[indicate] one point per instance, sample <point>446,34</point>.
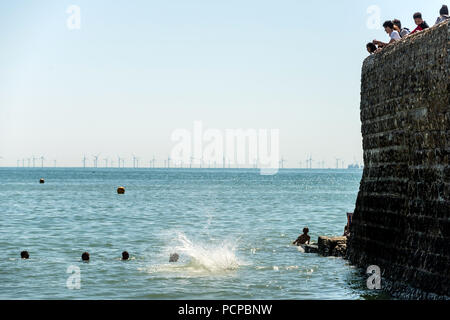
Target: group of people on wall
<point>396,32</point>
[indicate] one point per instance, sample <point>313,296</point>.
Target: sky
<point>136,71</point>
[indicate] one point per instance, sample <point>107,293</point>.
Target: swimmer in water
<point>24,255</point>
<point>174,257</point>
<point>303,238</point>
<point>125,255</point>
<point>85,256</point>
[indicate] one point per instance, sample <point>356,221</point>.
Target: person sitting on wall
<point>303,238</point>
<point>393,35</point>
<point>443,15</point>
<point>371,48</point>
<point>404,32</point>
<point>421,24</point>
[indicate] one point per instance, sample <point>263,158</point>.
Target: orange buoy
<point>121,190</point>
<point>41,181</point>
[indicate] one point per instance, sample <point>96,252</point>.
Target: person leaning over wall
<point>443,15</point>
<point>420,23</point>
<point>393,35</point>
<point>371,48</point>
<point>404,32</point>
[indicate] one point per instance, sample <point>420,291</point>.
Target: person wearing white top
<point>393,35</point>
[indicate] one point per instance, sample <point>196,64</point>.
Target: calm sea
<point>232,229</point>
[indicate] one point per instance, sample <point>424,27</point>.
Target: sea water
<point>233,230</point>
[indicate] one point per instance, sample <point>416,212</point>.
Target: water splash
<point>208,257</point>
<point>197,258</point>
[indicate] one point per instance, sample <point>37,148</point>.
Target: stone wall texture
<point>402,216</point>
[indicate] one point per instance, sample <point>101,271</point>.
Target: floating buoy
<point>41,181</point>
<point>121,190</point>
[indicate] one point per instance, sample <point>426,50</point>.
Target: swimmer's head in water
<point>305,230</point>
<point>24,255</point>
<point>174,257</point>
<point>125,255</point>
<point>85,256</point>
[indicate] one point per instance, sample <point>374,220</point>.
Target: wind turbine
<point>42,161</point>
<point>34,161</point>
<point>135,162</point>
<point>282,161</point>
<point>18,163</point>
<point>153,162</point>
<point>337,162</point>
<point>120,162</point>
<point>309,161</point>
<point>29,161</point>
<point>300,164</point>
<point>168,162</point>
<point>84,161</point>
<point>106,162</point>
<point>95,160</point>
<point>54,163</point>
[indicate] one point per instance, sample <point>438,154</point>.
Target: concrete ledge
<point>310,248</point>
<point>332,246</point>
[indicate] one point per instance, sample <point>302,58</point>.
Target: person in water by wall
<point>346,232</point>
<point>303,238</point>
<point>443,15</point>
<point>421,24</point>
<point>393,35</point>
<point>404,32</point>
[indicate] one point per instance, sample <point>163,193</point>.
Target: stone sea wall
<point>402,217</point>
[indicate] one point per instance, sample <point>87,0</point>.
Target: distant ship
<point>354,166</point>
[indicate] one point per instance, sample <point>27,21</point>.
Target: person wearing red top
<point>421,24</point>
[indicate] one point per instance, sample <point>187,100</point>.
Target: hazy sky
<point>136,71</point>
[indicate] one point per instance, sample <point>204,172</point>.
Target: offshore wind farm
<point>134,161</point>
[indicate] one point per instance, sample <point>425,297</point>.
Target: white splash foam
<point>197,258</point>
<point>209,257</point>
